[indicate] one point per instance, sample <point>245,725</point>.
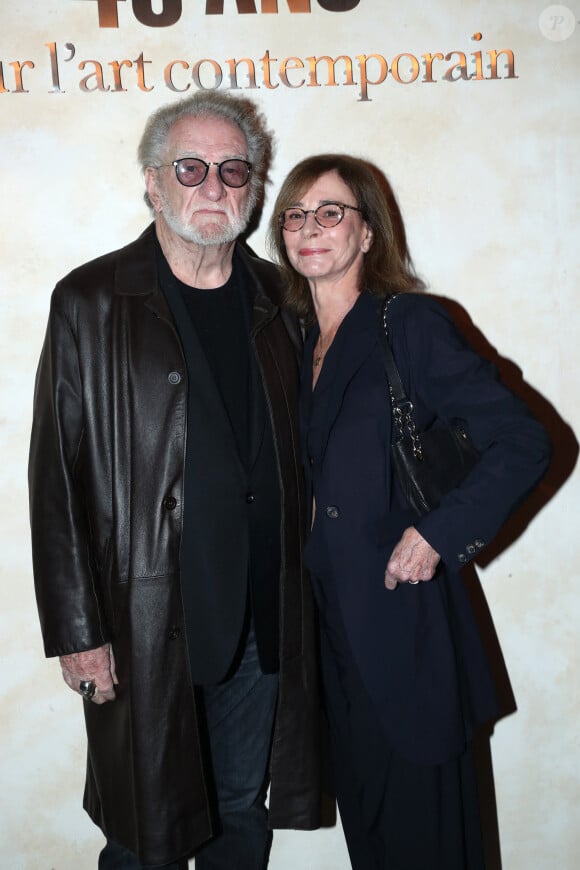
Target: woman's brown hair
<point>387,266</point>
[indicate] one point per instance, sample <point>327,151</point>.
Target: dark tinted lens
<point>234,173</point>
<point>191,171</point>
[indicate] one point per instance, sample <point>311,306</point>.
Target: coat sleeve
<point>448,379</point>
<point>64,570</point>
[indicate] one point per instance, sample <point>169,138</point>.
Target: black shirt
<point>221,325</point>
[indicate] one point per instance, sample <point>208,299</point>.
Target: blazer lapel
<point>253,313</point>
<point>352,345</point>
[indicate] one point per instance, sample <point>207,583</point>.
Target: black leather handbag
<point>430,463</point>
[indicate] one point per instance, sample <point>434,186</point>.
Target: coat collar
<point>136,275</point>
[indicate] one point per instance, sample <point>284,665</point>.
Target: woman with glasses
<point>405,674</point>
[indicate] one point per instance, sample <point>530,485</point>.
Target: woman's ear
<point>367,241</point>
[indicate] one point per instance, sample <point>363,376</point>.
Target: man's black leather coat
<point>106,478</point>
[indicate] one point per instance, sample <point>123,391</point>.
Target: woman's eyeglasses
<point>328,215</point>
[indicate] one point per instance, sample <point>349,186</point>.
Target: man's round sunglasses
<point>328,215</point>
<point>191,171</point>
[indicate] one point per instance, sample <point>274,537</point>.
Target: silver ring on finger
<point>413,582</point>
<point>87,689</point>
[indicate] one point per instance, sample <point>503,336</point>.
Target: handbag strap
<point>401,405</point>
<point>396,388</point>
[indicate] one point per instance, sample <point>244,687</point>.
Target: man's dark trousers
<point>240,720</point>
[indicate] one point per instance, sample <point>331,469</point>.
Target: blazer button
<point>174,378</point>
<point>479,543</point>
<point>174,632</point>
<point>462,558</point>
<point>470,549</point>
<point>169,503</point>
<point>250,498</point>
<point>332,512</point>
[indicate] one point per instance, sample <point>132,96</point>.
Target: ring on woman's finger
<point>413,582</point>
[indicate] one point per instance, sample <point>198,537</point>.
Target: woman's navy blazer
<point>417,648</point>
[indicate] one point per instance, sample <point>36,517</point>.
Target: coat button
<point>169,503</point>
<point>470,549</point>
<point>174,378</point>
<point>332,512</point>
<point>479,543</point>
<point>174,632</point>
<point>462,558</point>
<point>250,498</point>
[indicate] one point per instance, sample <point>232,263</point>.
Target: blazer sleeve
<point>61,552</point>
<point>448,379</point>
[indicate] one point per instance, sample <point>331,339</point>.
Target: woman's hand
<point>412,561</point>
<point>95,666</point>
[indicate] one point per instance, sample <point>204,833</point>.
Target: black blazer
<point>417,648</point>
<point>231,524</point>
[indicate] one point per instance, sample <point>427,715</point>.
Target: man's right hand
<point>93,665</point>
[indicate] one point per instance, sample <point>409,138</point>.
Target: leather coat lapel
<point>135,278</point>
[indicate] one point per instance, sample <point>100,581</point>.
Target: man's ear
<point>152,189</point>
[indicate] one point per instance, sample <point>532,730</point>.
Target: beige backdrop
<point>486,171</point>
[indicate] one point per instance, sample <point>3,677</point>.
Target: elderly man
<point>166,508</point>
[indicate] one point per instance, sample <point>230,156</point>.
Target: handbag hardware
<point>431,462</point>
<point>402,406</point>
